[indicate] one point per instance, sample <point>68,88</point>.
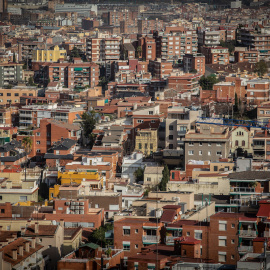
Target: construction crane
<point>234,122</point>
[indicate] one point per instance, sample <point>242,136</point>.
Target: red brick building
<point>148,46</point>
<point>160,69</point>
<point>216,55</point>
<point>194,63</point>
<point>258,91</point>
<point>245,55</point>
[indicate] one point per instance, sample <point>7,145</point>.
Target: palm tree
<point>27,144</point>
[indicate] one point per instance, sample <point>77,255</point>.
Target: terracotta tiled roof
<point>7,251</point>
<point>43,230</point>
<point>70,233</point>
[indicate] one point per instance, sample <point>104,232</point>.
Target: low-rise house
<point>72,240</point>
<point>152,176</point>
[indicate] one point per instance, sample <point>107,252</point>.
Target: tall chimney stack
<point>14,254</point>
<point>36,227</point>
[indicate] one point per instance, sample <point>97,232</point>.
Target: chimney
<point>14,254</point>
<point>1,228</point>
<point>36,227</point>
<point>23,231</point>
<point>27,246</point>
<point>21,250</point>
<point>62,223</point>
<point>33,242</point>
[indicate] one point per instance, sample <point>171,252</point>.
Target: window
<point>140,146</point>
<point>170,127</point>
<point>151,112</point>
<point>218,153</point>
<point>16,94</point>
<point>261,111</point>
<point>190,152</point>
<point>218,144</point>
<point>148,179</point>
<point>222,225</point>
<point>96,205</point>
<point>60,208</point>
<point>200,143</point>
<point>188,233</point>
<point>9,94</point>
<point>38,133</point>
<point>200,152</point>
<point>191,144</point>
<point>38,150</point>
<point>252,93</point>
<point>139,121</point>
<point>1,94</point>
<point>209,144</point>
<point>170,137</point>
<point>126,231</point>
<point>232,241</point>
<point>126,247</point>
<point>153,121</point>
<point>23,198</point>
<point>2,211</point>
<point>232,257</point>
<point>209,153</point>
<point>136,230</point>
<point>233,225</point>
<point>243,143</point>
<point>215,168</point>
<point>57,152</point>
<point>222,241</point>
<point>151,146</point>
<point>136,246</point>
<point>38,142</point>
<point>222,256</point>
<point>236,143</point>
<point>198,235</point>
<point>145,146</point>
<point>170,146</point>
<point>1,198</point>
<point>8,228</point>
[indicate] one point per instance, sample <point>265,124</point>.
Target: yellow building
<point>146,141</point>
<point>49,55</point>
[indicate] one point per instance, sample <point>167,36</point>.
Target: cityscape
<point>134,135</point>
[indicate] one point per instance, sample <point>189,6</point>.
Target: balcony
<point>245,249</point>
<point>260,157</point>
<point>258,146</point>
<point>150,239</point>
<point>247,233</point>
<point>239,190</point>
<point>170,240</point>
<point>266,234</point>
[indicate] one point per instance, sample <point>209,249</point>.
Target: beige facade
<point>207,184</point>
<point>240,138</point>
<point>72,240</point>
<point>146,141</point>
<point>184,197</point>
<point>152,176</point>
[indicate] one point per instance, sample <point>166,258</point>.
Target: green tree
<point>261,68</point>
<point>138,51</point>
<point>139,175</point>
<point>88,124</point>
<point>31,81</point>
<point>207,82</point>
<point>98,235</point>
<point>165,179</point>
<point>75,53</point>
<point>27,144</point>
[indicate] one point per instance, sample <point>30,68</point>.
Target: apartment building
<point>261,146</point>
<point>31,115</point>
<point>174,46</point>
<point>148,48</point>
<point>258,91</point>
<point>8,116</point>
<point>76,75</point>
<point>145,26</point>
<point>256,40</point>
<point>6,134</point>
<point>103,49</point>
<point>215,55</point>
<point>13,95</point>
<point>51,55</point>
<point>263,112</point>
<point>208,38</point>
<point>146,141</point>
<point>160,69</point>
<point>26,48</point>
<point>132,234</point>
<point>243,54</point>
<point>10,73</point>
<point>194,63</point>
<point>207,143</point>
<point>115,17</point>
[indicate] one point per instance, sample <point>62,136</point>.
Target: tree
<point>165,179</point>
<point>31,81</point>
<point>138,51</point>
<point>27,144</point>
<point>139,175</point>
<point>261,68</point>
<point>75,53</point>
<point>98,235</point>
<point>207,82</point>
<point>88,124</point>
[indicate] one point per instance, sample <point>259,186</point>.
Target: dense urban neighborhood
<point>134,135</point>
